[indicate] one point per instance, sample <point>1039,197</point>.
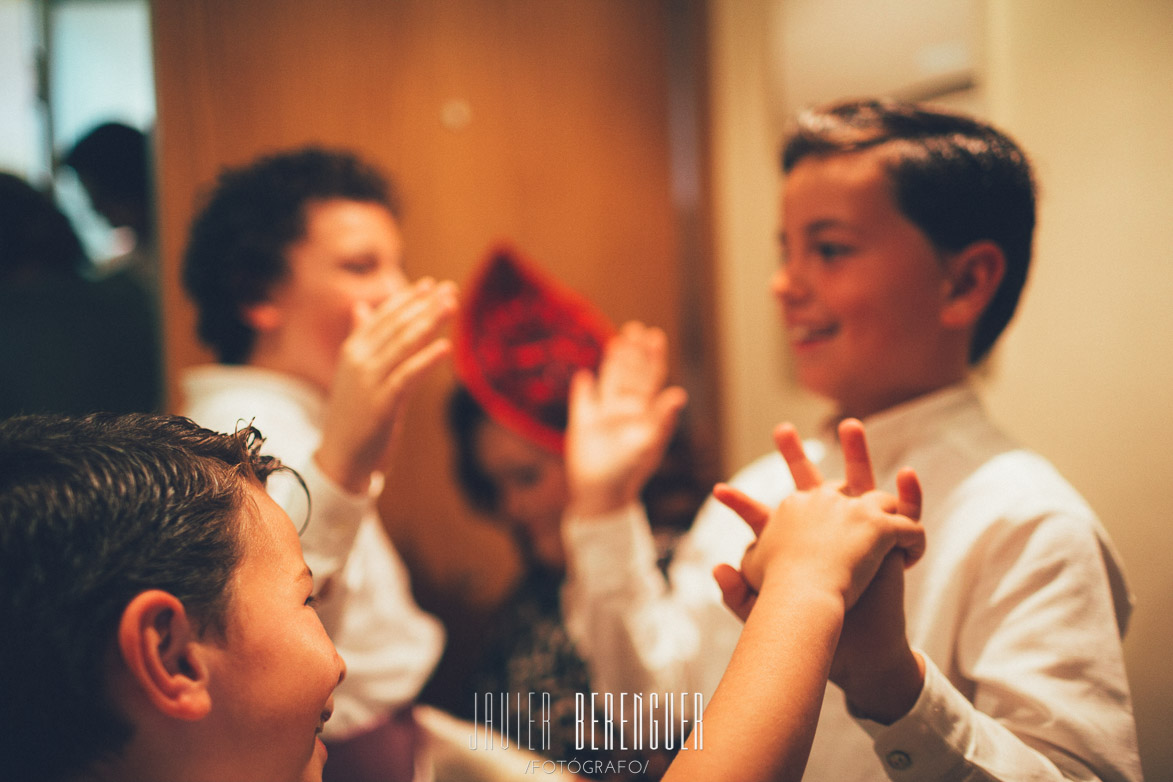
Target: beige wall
<point>1086,374</point>
<point>1083,375</point>
<point>754,376</point>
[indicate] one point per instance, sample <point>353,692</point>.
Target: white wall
<point>1084,373</point>
<point>21,135</point>
<point>102,66</point>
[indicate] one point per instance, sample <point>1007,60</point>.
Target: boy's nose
<point>788,284</point>
<point>388,284</point>
<point>515,504</point>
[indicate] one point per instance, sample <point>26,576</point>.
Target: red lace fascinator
<point>521,335</point>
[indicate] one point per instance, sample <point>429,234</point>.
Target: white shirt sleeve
<point>1040,652</point>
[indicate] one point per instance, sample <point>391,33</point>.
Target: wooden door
<point>543,122</point>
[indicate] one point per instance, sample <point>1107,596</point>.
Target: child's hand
<point>388,350</point>
<point>826,539</point>
<point>835,538</point>
<point>620,422</point>
<point>879,673</point>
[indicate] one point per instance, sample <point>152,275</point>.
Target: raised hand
<point>620,421</point>
<point>390,347</point>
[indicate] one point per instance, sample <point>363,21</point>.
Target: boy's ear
<point>974,276</point>
<point>163,655</point>
<point>263,316</point>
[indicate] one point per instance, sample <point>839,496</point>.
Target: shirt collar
<point>209,378</point>
<point>891,432</point>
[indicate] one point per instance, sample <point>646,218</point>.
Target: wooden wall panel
<point>565,151</point>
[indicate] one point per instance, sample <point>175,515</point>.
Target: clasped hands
<point>852,542</point>
<point>841,532</point>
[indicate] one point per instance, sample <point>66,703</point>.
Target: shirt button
<point>899,760</point>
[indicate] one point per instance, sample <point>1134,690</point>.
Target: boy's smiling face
<point>861,288</point>
<point>275,674</point>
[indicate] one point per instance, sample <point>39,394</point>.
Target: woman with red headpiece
<point>521,337</point>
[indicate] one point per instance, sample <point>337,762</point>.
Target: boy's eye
<point>518,478</point>
<point>527,476</point>
<point>360,265</point>
<point>831,251</point>
<point>312,601</point>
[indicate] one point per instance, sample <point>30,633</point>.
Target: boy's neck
<point>272,362</point>
<point>870,405</point>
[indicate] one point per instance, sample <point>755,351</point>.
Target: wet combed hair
<point>94,511</point>
<point>236,252</point>
<point>957,179</point>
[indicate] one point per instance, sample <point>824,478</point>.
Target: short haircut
<point>236,252</point>
<point>957,179</point>
<point>115,158</point>
<point>94,511</point>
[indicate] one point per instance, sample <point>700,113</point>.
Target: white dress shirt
<point>389,644</point>
<point>1018,607</point>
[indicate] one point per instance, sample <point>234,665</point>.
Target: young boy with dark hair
<point>157,609</point>
<point>162,624</point>
<point>295,265</point>
<point>906,238</point>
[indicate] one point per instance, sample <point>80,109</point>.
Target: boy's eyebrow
<point>824,223</point>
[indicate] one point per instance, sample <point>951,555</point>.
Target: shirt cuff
<point>928,742</point>
<point>606,552</point>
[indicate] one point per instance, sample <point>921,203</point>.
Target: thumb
<point>582,386</point>
<point>361,314</point>
<point>734,590</point>
<point>667,407</point>
<point>752,512</point>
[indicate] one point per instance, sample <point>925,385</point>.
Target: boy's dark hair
<point>236,252</point>
<point>94,511</point>
<point>957,179</point>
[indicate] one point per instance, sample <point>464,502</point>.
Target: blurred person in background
<point>113,164</point>
<point>520,338</point>
<point>69,343</point>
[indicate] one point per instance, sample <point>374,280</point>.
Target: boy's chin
<point>313,769</point>
<point>815,380</point>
